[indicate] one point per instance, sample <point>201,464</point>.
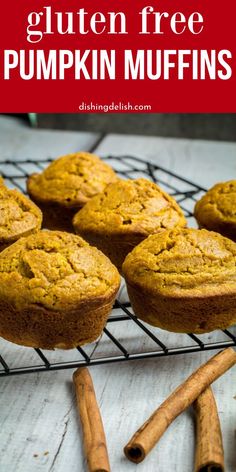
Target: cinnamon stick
<point>147,436</point>
<point>93,433</point>
<point>209,455</point>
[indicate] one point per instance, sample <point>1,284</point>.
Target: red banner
<point>143,56</point>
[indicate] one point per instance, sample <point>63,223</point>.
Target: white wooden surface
<point>39,428</point>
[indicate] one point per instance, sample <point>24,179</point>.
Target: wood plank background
<point>39,428</point>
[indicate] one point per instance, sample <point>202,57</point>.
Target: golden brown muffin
<point>123,215</point>
<point>66,185</point>
<point>183,280</point>
<point>216,210</point>
<point>18,216</point>
<point>55,291</point>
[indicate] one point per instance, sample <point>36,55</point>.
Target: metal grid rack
<point>152,342</point>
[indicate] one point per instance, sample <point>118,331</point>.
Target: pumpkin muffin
<point>183,280</point>
<point>216,210</point>
<point>123,215</point>
<point>66,185</point>
<point>55,291</point>
<point>18,216</point>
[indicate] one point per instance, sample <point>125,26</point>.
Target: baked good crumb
<point>19,216</point>
<point>124,214</point>
<point>55,291</point>
<point>216,210</point>
<point>66,185</point>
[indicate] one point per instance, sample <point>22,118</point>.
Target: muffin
<point>66,185</point>
<point>56,291</point>
<point>123,215</point>
<point>18,216</point>
<point>216,210</point>
<point>183,280</point>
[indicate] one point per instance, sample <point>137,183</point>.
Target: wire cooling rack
<point>125,337</point>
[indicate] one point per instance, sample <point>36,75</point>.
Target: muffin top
<point>57,271</point>
<point>71,180</point>
<point>218,205</point>
<point>18,215</point>
<point>183,262</point>
<point>130,206</point>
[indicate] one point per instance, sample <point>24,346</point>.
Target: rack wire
<point>125,337</point>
